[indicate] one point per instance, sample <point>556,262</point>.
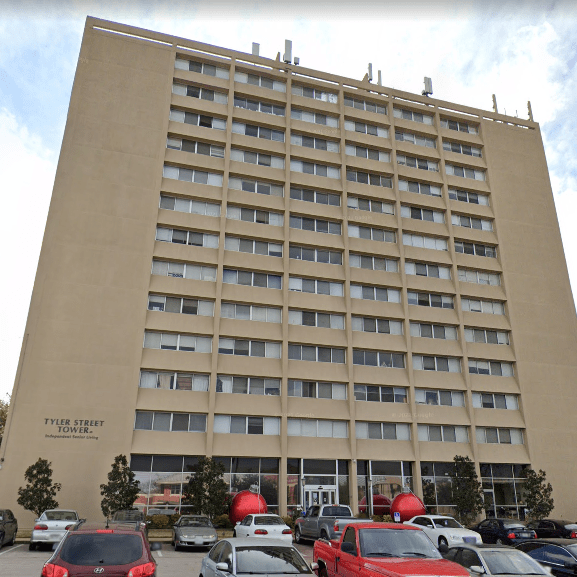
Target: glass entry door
<point>320,496</point>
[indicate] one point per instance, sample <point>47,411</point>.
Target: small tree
<point>39,493</point>
<point>467,490</point>
<point>537,494</point>
<point>121,490</point>
<point>206,490</point>
<point>4,405</point>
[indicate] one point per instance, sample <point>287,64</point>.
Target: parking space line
<point>159,553</point>
<point>11,549</point>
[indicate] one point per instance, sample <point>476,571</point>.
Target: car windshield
<point>336,512</point>
<point>270,559</point>
<point>195,522</point>
<point>396,543</point>
<point>268,520</point>
<point>512,562</point>
<point>448,523</point>
<point>60,516</point>
<point>514,524</point>
<point>571,526</point>
<point>102,549</point>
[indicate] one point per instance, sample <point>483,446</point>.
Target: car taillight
<point>68,526</point>
<point>40,527</point>
<point>261,532</point>
<point>50,570</point>
<point>105,530</point>
<point>573,535</point>
<point>143,570</point>
<point>534,535</point>
<point>336,527</point>
<point>511,536</point>
<point>287,532</point>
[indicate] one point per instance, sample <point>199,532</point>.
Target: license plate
<point>524,535</point>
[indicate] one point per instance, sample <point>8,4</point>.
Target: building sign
<point>73,428</point>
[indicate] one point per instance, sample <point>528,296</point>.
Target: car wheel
<point>298,536</point>
<point>13,540</point>
<point>325,535</point>
<point>443,541</point>
<point>32,547</point>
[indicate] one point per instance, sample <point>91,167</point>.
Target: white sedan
<point>263,525</point>
<point>444,530</point>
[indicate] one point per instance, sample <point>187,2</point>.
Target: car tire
<point>13,540</point>
<point>32,547</point>
<point>299,537</point>
<point>443,541</point>
<point>325,535</point>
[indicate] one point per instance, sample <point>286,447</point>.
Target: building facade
<point>330,286</point>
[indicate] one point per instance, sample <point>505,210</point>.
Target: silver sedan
<point>51,526</point>
<point>193,531</point>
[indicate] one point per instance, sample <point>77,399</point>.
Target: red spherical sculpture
<point>245,503</point>
<point>381,505</point>
<point>408,505</point>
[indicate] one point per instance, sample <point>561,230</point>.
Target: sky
<point>517,50</point>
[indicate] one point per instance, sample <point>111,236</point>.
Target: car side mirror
<point>155,546</point>
<point>443,548</point>
<point>314,566</point>
<point>477,569</point>
<point>223,567</point>
<point>238,522</point>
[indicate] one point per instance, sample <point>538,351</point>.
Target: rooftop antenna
<point>428,87</point>
<point>288,52</point>
<point>379,78</point>
<point>370,75</point>
<point>255,49</point>
<point>495,109</point>
<point>530,110</point>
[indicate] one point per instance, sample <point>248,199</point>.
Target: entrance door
<point>489,498</point>
<point>320,496</point>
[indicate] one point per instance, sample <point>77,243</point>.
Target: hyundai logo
<point>99,570</point>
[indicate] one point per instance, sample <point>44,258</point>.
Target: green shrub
<point>290,522</point>
<point>361,516</point>
<point>173,519</point>
<point>158,521</point>
<point>222,522</point>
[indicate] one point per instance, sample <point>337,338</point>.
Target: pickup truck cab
<point>324,521</point>
<point>382,549</point>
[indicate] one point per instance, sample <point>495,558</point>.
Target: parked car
<point>547,528</point>
<point>168,512</point>
<point>324,521</point>
<point>444,530</point>
<point>503,531</point>
<point>100,549</point>
<point>264,525</point>
<point>193,531</point>
<point>494,560</point>
<point>560,555</point>
<point>8,527</point>
<point>51,526</point>
<point>247,555</point>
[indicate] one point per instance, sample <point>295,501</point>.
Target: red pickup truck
<point>377,549</point>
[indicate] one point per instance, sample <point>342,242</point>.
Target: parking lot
<point>17,561</point>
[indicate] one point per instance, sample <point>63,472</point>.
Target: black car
<point>503,531</point>
<point>558,554</point>
<point>8,527</point>
<point>548,528</point>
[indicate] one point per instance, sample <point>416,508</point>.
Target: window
<point>492,337</point>
<point>316,319</point>
<point>179,236</point>
<point>185,306</point>
<point>374,393</point>
<point>373,262</point>
<point>370,205</point>
<point>260,187</point>
<point>254,215</point>
<point>444,398</point>
<point>476,249</point>
<point>369,178</point>
<point>245,425</point>
<point>459,126</point>
<point>318,169</point>
<point>247,385</point>
<point>374,293</point>
<point>370,153</point>
<point>250,313</point>
<point>479,306</point>
<point>256,158</point>
<point>195,147</point>
<point>201,68</point>
<point>378,359</point>
<point>370,233</point>
<point>157,421</point>
<point>418,139</point>
<point>414,116</point>
<point>262,81</point>
<point>197,119</point>
<point>443,433</point>
<point>431,331</point>
<point>257,106</point>
<point>317,428</point>
<point>174,381</point>
<point>461,148</point>
<point>371,129</point>
<point>420,241</point>
<point>315,196</point>
<point>420,187</point>
<point>464,172</point>
<point>417,213</point>
<point>427,269</point>
<point>495,401</point>
<point>252,246</point>
<point>316,286</point>
<point>318,143</point>
<point>377,325</point>
<point>188,205</point>
<point>315,225</point>
<point>502,436</point>
<point>190,175</point>
<point>443,364</point>
<point>315,93</point>
<point>314,117</point>
<point>177,342</point>
<point>246,348</point>
<point>299,352</point>
<point>315,255</point>
<point>471,222</point>
<point>200,92</point>
<point>251,278</point>
<point>365,105</point>
<point>470,197</point>
<point>258,131</point>
<point>385,431</point>
<point>493,368</point>
<point>414,162</point>
<point>430,300</point>
<point>317,390</point>
<point>184,270</point>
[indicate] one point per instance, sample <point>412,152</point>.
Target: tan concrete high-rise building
<point>330,286</point>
